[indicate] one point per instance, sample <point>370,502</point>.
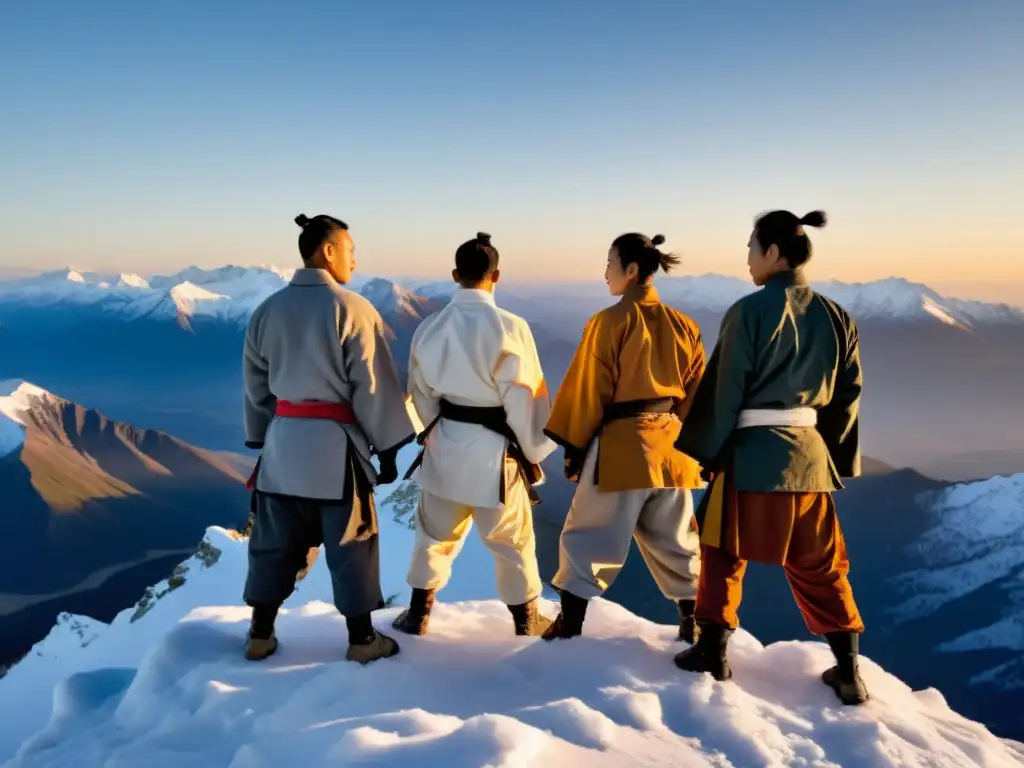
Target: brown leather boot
<point>261,641</point>
<point>380,647</point>
<point>844,678</point>
<point>257,649</point>
<point>708,654</point>
<point>528,619</point>
<point>414,619</point>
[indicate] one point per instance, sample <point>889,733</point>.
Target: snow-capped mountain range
<point>232,293</point>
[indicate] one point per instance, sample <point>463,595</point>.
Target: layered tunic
<point>636,350</point>
<point>779,348</point>
<point>770,499</point>
<point>316,341</point>
<point>472,353</point>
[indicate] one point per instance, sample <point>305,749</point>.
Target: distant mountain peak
<point>17,398</point>
<point>232,292</point>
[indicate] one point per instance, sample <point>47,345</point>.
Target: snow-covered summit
<point>233,292</point>
<point>228,293</point>
<point>893,298</point>
<point>976,540</point>
<point>165,684</point>
<point>16,397</point>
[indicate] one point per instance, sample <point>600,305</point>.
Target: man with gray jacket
<point>322,395</point>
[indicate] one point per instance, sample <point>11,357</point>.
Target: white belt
<point>777,417</point>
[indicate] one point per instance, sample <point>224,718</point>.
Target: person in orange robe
<point>617,415</point>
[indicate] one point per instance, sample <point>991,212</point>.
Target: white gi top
<point>473,353</point>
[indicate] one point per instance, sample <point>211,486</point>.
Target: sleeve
<point>377,395</point>
<point>587,388</point>
<point>839,421</point>
<point>719,395</point>
<point>524,395</point>
<point>692,378</point>
<point>425,401</point>
<point>259,402</point>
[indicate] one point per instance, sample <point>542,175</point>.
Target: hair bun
<point>302,220</point>
<point>483,238</point>
<point>814,219</point>
<point>657,240</point>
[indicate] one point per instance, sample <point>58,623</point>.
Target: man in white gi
<point>321,396</point>
<point>475,379</point>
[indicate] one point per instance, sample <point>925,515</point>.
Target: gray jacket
<point>314,340</point>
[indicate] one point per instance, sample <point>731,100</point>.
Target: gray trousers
<point>287,532</point>
<point>597,533</point>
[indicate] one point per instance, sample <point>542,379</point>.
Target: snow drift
<point>166,685</point>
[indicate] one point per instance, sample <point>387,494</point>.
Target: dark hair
<point>638,249</point>
<point>785,230</point>
<point>476,259</point>
<point>315,231</point>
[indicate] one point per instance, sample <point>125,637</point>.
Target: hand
<point>388,471</point>
<point>573,467</point>
<point>706,474</point>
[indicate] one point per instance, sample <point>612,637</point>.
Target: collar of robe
<point>472,296</point>
<point>641,293</point>
<point>788,279</point>
<point>311,276</point>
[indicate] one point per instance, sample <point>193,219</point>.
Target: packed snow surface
<point>233,292</point>
<point>172,689</point>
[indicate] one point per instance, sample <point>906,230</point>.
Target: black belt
<point>630,408</point>
<point>494,419</point>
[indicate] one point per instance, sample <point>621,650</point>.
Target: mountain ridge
<point>233,292</point>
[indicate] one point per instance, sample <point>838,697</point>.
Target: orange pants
<point>814,560</point>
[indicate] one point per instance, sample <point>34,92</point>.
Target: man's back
<point>316,341</point>
<point>474,354</point>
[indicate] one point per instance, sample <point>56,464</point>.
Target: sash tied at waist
<point>627,409</point>
<point>342,413</point>
<point>777,417</point>
<point>492,418</point>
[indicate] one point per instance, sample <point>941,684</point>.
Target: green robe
<point>784,346</point>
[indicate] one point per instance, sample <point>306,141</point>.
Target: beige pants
<point>595,539</point>
<point>441,530</point>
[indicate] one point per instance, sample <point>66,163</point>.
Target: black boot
<point>708,654</point>
<point>261,641</point>
<point>414,620</point>
<point>528,619</point>
<point>688,630</point>
<point>844,678</point>
<point>569,622</point>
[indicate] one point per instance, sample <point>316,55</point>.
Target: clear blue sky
<point>149,136</point>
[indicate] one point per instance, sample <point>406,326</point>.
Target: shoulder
<point>833,307</point>
<point>684,321</point>
<point>357,307</point>
<point>513,323</point>
<point>264,308</point>
<point>608,317</point>
<point>426,324</point>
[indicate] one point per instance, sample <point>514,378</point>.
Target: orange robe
<point>637,349</point>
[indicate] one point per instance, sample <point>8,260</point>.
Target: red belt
<point>308,409</point>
